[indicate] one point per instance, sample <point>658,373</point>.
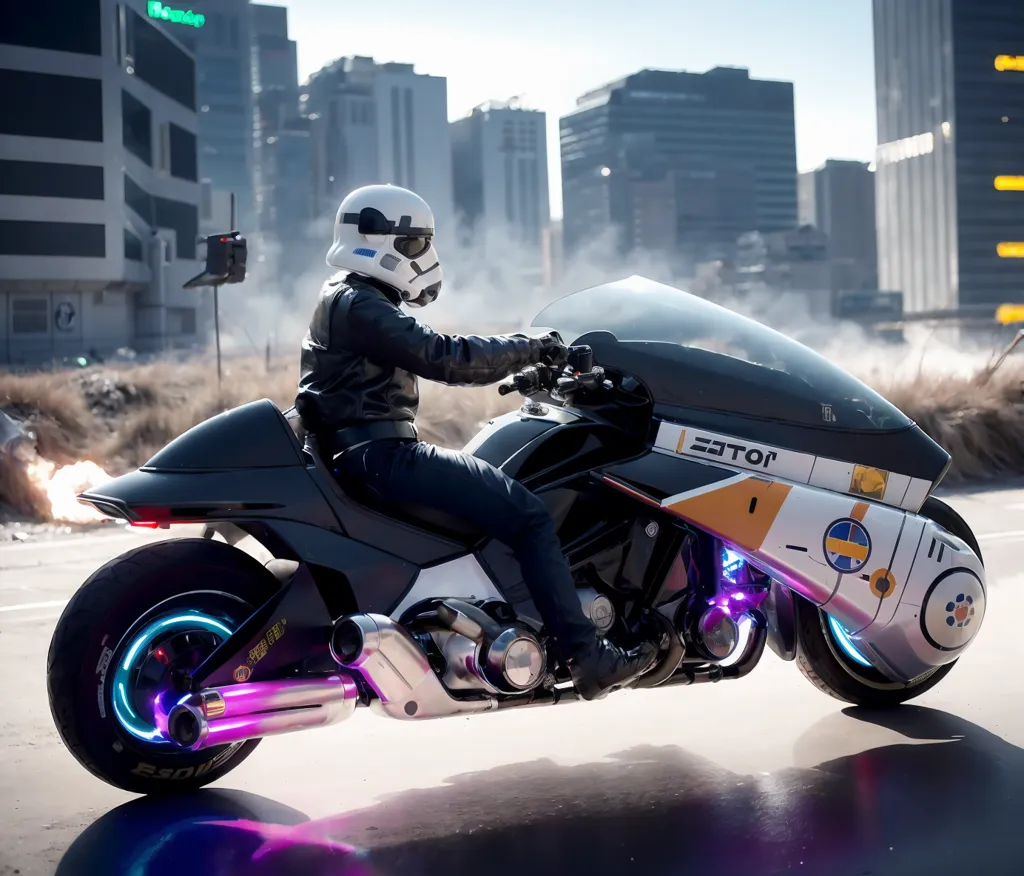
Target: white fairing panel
<point>911,595</point>
<point>941,609</point>
<point>457,579</point>
<point>898,490</point>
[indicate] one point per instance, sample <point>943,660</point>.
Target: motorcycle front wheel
<point>829,659</point>
<point>142,617</point>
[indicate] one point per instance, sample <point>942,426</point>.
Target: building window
<point>75,27</point>
<point>183,154</point>
<point>132,247</point>
<point>410,139</point>
<point>159,62</point>
<point>30,316</point>
<point>218,28</point>
<point>179,217</point>
<point>46,105</point>
<point>138,199</point>
<point>42,179</point>
<point>233,32</point>
<point>221,78</point>
<point>183,219</point>
<point>181,320</point>
<point>23,238</point>
<point>396,140</point>
<point>206,199</point>
<point>137,128</point>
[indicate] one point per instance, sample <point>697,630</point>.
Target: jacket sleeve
<point>381,332</point>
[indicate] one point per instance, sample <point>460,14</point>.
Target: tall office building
<point>950,162</point>
<point>277,85</point>
<point>219,34</point>
<point>379,123</point>
<point>500,172</point>
<point>285,195</point>
<point>99,197</point>
<point>839,199</point>
<point>680,162</point>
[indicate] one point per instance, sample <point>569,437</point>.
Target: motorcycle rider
<point>358,394</point>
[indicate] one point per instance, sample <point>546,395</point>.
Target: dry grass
<point>981,425</point>
<point>120,417</point>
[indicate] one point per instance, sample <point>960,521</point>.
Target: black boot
<point>600,666</point>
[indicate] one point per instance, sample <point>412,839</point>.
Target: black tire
<point>825,666</point>
<point>91,634</point>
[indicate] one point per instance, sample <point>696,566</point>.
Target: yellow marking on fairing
<point>859,510</point>
<point>741,512</point>
<point>883,583</point>
<point>681,441</point>
<point>867,481</point>
<point>846,548</point>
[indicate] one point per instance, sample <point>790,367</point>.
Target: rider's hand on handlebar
<point>553,350</point>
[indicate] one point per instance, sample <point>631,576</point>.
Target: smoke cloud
<point>495,284</point>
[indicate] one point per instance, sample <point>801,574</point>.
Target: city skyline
<point>825,50</point>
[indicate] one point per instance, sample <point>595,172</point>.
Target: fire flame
<point>61,486</point>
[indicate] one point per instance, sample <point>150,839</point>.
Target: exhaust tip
<point>347,642</point>
<point>184,726</point>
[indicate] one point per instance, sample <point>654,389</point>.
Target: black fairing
<point>255,435</point>
<point>684,391</point>
<point>505,441</point>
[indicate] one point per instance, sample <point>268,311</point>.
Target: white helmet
<point>387,232</point>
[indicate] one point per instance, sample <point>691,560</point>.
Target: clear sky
<point>551,51</point>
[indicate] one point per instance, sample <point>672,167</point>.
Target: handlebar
<point>560,381</point>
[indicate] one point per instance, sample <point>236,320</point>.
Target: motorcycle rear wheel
<point>828,663</point>
<point>136,619</point>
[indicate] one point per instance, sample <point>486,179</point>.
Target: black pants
<point>470,489</point>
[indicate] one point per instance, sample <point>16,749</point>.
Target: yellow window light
<point>1011,249</point>
<point>1010,62</point>
<point>867,481</point>
<point>1008,314</point>
<point>1009,183</point>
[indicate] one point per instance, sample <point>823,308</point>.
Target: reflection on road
<point>943,801</point>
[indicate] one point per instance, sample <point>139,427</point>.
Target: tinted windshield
<point>772,374</point>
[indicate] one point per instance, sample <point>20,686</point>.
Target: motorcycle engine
<point>513,662</point>
<point>714,622</point>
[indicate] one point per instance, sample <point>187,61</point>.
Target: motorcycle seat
<point>419,516</point>
<point>352,490</point>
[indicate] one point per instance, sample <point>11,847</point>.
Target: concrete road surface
<point>764,775</point>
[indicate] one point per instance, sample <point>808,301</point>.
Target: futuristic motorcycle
<point>716,484</point>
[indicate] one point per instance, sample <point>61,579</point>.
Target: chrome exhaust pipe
<point>227,715</point>
<point>392,663</point>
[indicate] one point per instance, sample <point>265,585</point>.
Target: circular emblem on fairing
<point>953,609</point>
<point>847,546</point>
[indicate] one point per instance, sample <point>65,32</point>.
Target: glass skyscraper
<point>680,162</point>
<point>950,164</point>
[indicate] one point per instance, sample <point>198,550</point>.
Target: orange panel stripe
<point>629,491</point>
<point>846,548</point>
<point>681,441</point>
<point>859,510</point>
<point>741,512</point>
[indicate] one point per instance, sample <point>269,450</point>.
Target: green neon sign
<point>157,9</point>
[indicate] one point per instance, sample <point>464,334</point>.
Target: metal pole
<point>216,326</point>
<point>216,300</point>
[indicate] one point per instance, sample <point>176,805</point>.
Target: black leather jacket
<point>362,355</point>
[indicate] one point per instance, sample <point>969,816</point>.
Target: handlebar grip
<point>505,388</point>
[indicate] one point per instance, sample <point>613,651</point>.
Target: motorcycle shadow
<point>942,800</point>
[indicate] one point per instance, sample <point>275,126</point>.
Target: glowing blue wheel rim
<point>138,652</point>
<point>842,638</point>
